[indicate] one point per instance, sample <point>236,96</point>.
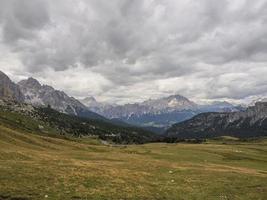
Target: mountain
<point>95,106</point>
<point>219,106</point>
<point>169,104</point>
<point>153,113</point>
<point>243,124</point>
<point>45,120</point>
<point>160,113</point>
<point>91,102</point>
<point>9,90</point>
<point>44,95</point>
<point>262,99</point>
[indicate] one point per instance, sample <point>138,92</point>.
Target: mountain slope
<point>44,95</point>
<point>49,121</point>
<point>9,90</point>
<point>249,123</point>
<point>219,106</point>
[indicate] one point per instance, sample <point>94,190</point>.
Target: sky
<point>126,51</point>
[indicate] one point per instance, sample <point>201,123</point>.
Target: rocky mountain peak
<point>177,97</point>
<point>3,75</point>
<point>44,95</point>
<point>30,91</point>
<point>90,102</point>
<point>173,102</point>
<point>90,99</point>
<point>9,90</point>
<point>94,105</point>
<point>30,83</point>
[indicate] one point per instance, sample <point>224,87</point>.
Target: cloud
<point>131,50</point>
<point>21,18</point>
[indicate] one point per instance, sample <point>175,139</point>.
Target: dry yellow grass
<point>40,167</point>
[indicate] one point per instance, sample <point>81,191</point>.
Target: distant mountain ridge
<point>249,123</point>
<point>158,113</point>
<point>170,103</point>
<point>162,112</point>
<point>196,121</point>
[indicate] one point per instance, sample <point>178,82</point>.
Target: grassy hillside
<point>36,166</point>
<point>51,122</point>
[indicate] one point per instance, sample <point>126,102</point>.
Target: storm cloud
<point>130,50</point>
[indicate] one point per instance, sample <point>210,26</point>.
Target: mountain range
<point>243,124</point>
<point>175,116</point>
<point>160,113</point>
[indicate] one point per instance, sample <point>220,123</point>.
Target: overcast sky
<point>131,50</point>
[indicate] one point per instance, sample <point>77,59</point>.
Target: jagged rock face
<point>90,102</point>
<point>249,123</point>
<point>159,112</point>
<point>96,106</point>
<point>162,112</point>
<point>158,106</point>
<point>9,90</point>
<point>38,94</point>
<point>171,103</point>
<point>44,95</point>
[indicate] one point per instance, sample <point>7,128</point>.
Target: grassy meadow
<point>35,166</point>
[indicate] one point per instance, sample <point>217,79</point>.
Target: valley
<point>133,100</point>
<point>37,166</point>
<point>52,146</point>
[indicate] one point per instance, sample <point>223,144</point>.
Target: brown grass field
<point>34,166</point>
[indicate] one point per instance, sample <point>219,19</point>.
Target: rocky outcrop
<point>38,94</point>
<point>9,90</point>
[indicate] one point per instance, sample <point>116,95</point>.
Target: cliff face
<point>9,90</point>
<point>44,95</point>
<point>249,123</point>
